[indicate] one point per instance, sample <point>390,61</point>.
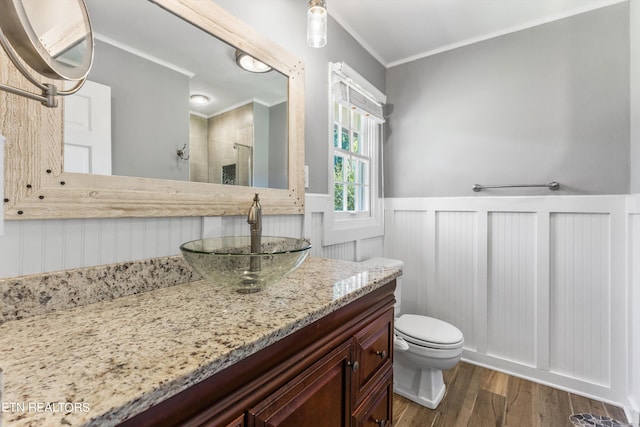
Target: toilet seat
<point>428,332</point>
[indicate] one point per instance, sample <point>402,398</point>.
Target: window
<point>356,121</point>
<point>351,161</point>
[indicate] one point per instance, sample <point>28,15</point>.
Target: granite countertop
<point>105,362</point>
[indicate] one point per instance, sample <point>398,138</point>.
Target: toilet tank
<point>392,263</point>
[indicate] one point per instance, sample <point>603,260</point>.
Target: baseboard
<point>551,379</point>
<point>632,409</point>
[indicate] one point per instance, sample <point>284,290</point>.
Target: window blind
<point>348,92</point>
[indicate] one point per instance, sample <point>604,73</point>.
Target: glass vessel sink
<point>229,261</point>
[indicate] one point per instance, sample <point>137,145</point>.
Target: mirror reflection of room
<point>160,85</point>
<point>60,27</point>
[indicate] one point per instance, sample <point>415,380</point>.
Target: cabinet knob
<point>382,423</point>
<point>354,365</point>
<point>382,354</point>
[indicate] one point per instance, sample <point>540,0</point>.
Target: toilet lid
<point>428,329</point>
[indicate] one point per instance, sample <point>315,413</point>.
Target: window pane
<point>351,198</point>
<point>356,121</point>
<point>355,145</point>
<point>338,169</point>
<point>345,139</point>
<point>344,116</point>
<point>336,134</point>
<point>338,197</point>
<point>361,197</point>
<point>351,172</point>
<point>362,173</point>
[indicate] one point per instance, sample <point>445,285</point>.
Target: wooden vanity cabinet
<point>337,371</point>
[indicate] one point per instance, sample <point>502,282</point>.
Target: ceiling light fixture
<point>249,63</point>
<point>200,99</point>
<point>317,23</point>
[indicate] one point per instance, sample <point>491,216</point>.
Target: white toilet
<point>423,348</point>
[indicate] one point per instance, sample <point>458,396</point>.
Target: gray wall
<point>148,124</point>
<point>546,103</point>
<point>287,27</point>
<point>634,20</point>
<point>278,143</point>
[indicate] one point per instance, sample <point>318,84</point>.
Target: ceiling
<point>393,31</point>
<point>398,31</point>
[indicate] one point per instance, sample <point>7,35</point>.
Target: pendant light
<point>317,23</point>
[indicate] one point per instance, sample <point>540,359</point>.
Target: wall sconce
<point>251,64</point>
<point>317,23</point>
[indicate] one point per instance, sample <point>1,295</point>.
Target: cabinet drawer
<point>374,351</point>
<point>376,410</point>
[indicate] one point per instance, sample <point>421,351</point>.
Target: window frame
<point>373,217</point>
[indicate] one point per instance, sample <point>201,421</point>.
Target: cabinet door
<point>320,396</point>
<point>376,409</point>
<point>374,352</point>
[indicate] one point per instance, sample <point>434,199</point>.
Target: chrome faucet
<point>255,221</point>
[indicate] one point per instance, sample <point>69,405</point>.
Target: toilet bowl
<point>423,348</point>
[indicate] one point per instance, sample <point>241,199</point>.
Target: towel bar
<point>553,186</point>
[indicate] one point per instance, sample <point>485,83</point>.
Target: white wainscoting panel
<point>411,226</point>
<point>455,282</point>
<point>38,246</point>
<point>355,242</point>
<point>344,251</point>
<point>511,286</point>
<point>370,247</point>
<point>580,300</point>
<point>536,284</point>
<point>633,305</point>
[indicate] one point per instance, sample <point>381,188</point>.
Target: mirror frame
<point>36,186</point>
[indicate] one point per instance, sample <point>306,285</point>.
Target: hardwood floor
<point>480,397</point>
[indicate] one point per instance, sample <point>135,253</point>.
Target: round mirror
<point>52,37</point>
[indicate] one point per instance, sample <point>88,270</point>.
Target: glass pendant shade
<point>317,23</point>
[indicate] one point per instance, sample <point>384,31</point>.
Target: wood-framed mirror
<point>36,185</point>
